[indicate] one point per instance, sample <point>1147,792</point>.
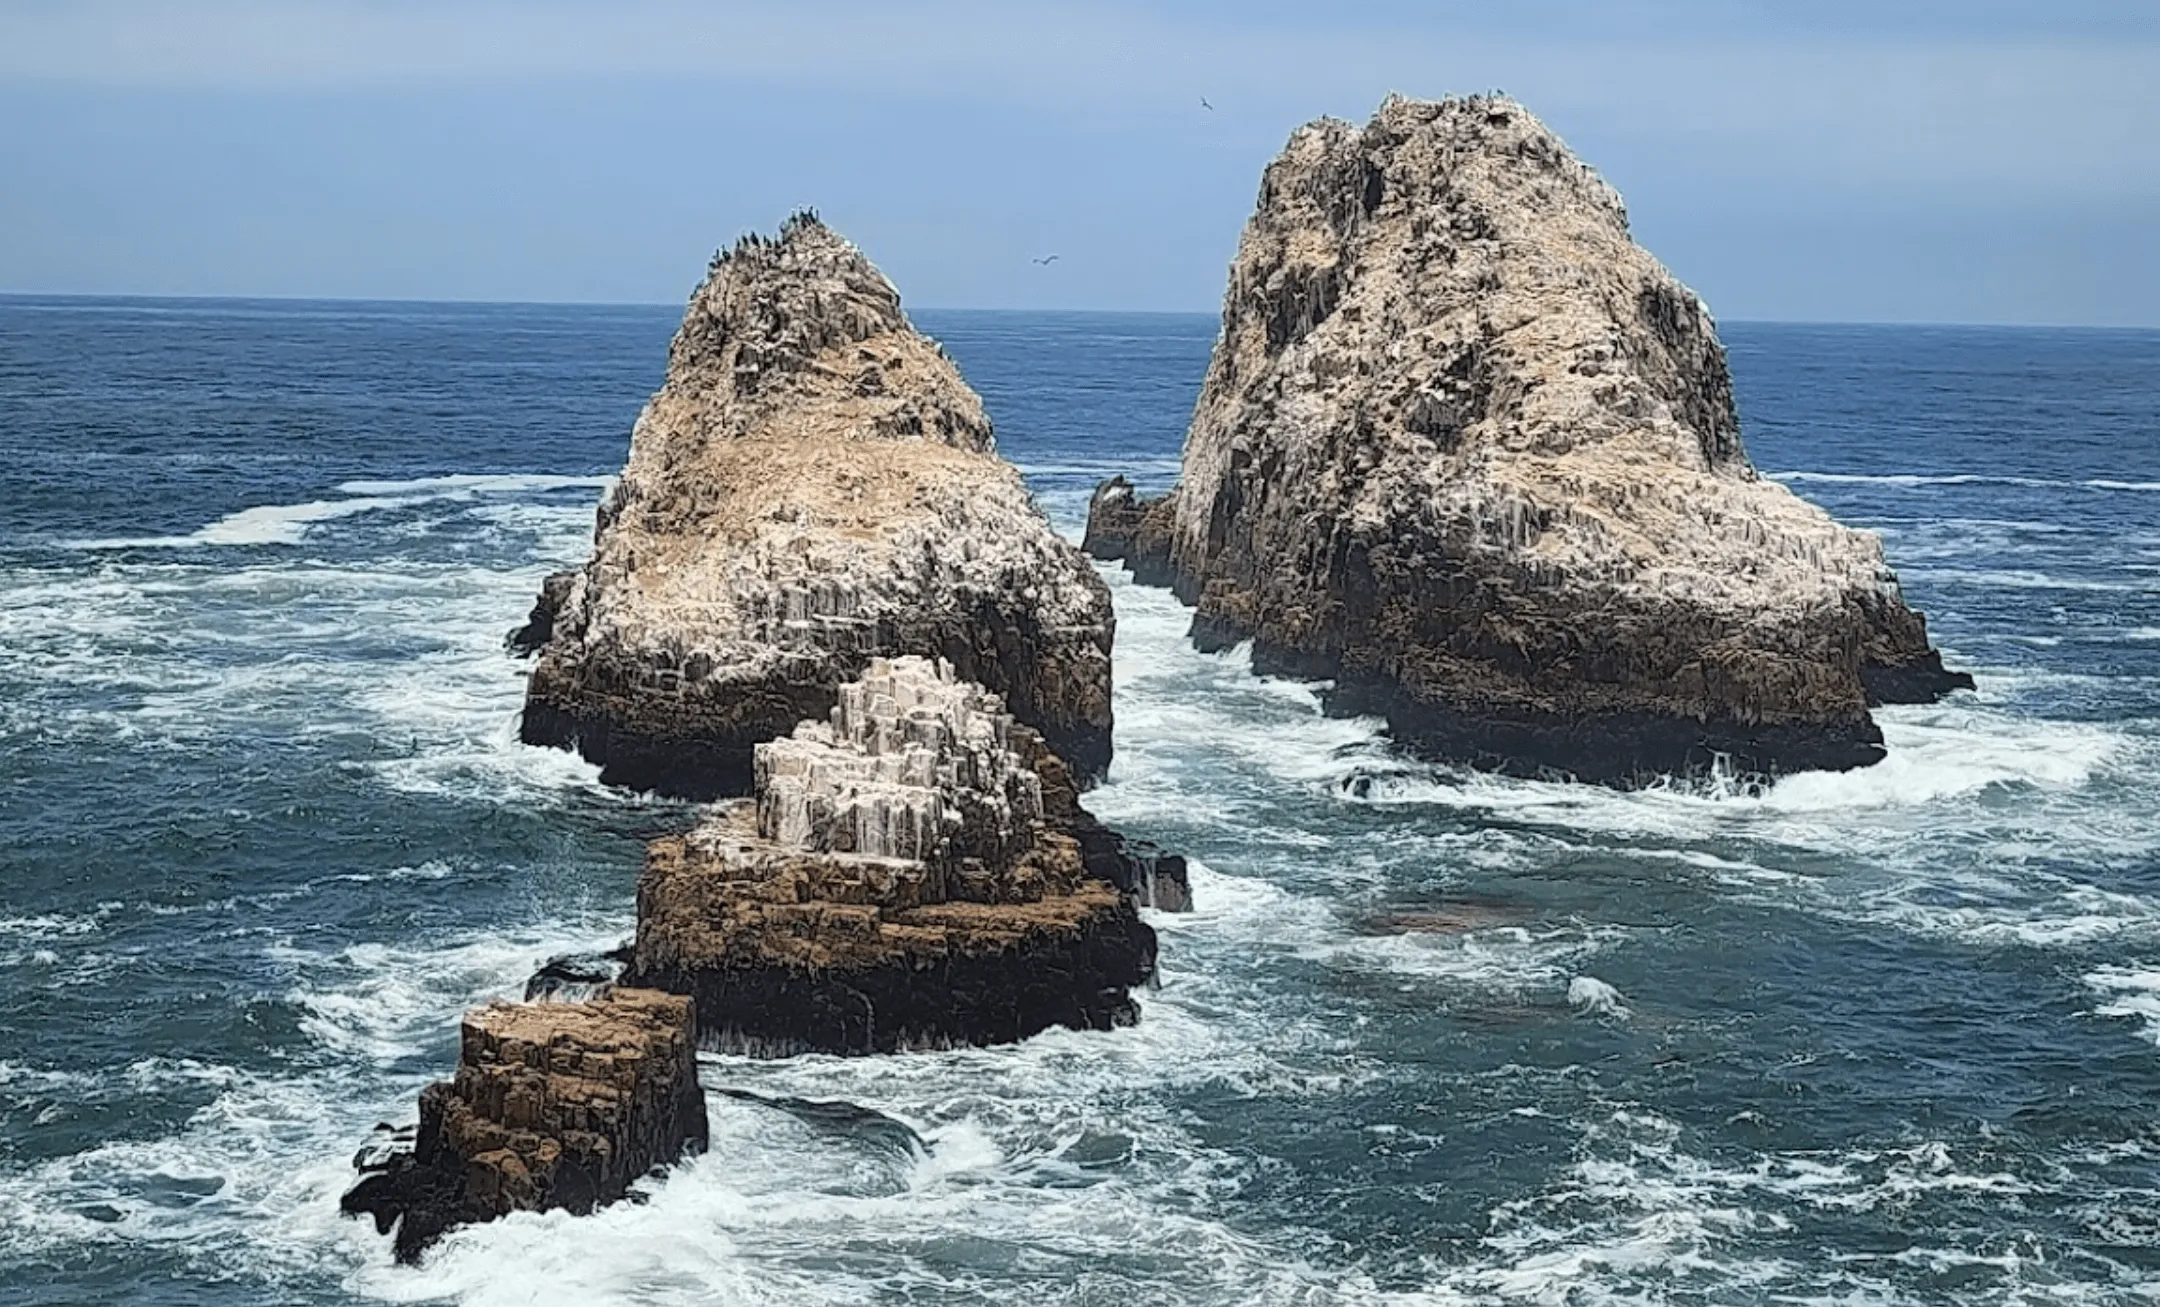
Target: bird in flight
<point>1047,259</point>
<point>1205,105</point>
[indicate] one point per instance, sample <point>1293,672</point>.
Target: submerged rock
<point>812,487</point>
<point>1468,450</point>
<point>555,1105</point>
<point>910,874</point>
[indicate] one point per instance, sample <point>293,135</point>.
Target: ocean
<point>1884,1037</point>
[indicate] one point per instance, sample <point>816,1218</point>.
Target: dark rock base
<point>579,977</point>
<point>1078,979</point>
<point>1923,681</point>
<point>666,759</point>
<point>698,768</point>
<point>694,740</point>
<point>1624,750</point>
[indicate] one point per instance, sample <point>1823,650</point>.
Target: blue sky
<point>1923,160</point>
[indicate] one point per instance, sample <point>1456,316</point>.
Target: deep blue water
<point>1884,1037</point>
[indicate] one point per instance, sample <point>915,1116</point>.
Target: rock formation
<point>1124,528</point>
<point>554,1105</point>
<point>812,487</point>
<point>1467,449</point>
<point>912,872</point>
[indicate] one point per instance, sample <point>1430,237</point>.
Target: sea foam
<point>289,524</point>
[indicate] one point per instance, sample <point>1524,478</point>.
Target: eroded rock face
<point>813,486</point>
<point>910,874</point>
<point>1470,451</point>
<point>554,1105</point>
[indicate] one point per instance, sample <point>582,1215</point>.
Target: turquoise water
<point>1883,1037</point>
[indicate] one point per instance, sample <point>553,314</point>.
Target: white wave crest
<point>1162,468</point>
<point>1515,963</point>
<point>2131,992</point>
<point>1638,1211</point>
<point>267,524</point>
<point>1906,480</point>
<point>288,524</point>
<point>476,483</point>
<point>384,1003</point>
<point>2011,579</point>
<point>1914,480</point>
<point>1589,994</point>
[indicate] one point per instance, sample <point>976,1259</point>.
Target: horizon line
<point>124,296</point>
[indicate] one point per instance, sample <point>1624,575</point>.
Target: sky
<point>1900,160</point>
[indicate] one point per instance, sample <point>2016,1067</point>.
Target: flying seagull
<point>1047,259</point>
<point>1205,105</point>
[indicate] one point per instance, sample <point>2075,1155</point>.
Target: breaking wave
<point>1909,481</point>
<point>289,524</point>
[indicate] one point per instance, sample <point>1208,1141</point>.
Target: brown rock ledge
<point>554,1105</point>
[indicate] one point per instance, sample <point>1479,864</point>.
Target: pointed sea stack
<point>813,486</point>
<point>1469,451</point>
<point>555,1105</point>
<point>914,872</point>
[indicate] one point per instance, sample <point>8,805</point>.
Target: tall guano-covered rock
<point>1470,451</point>
<point>812,487</point>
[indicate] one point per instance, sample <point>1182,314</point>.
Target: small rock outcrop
<point>913,872</point>
<point>813,486</point>
<point>1124,528</point>
<point>539,627</point>
<point>555,1105</point>
<point>1469,451</point>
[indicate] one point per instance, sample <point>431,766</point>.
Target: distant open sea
<point>1883,1037</point>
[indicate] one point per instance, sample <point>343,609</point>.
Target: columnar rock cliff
<point>554,1105</point>
<point>1469,450</point>
<point>813,486</point>
<point>912,872</point>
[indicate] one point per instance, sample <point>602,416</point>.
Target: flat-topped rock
<point>1469,451</point>
<point>913,872</point>
<point>554,1105</point>
<point>813,486</point>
